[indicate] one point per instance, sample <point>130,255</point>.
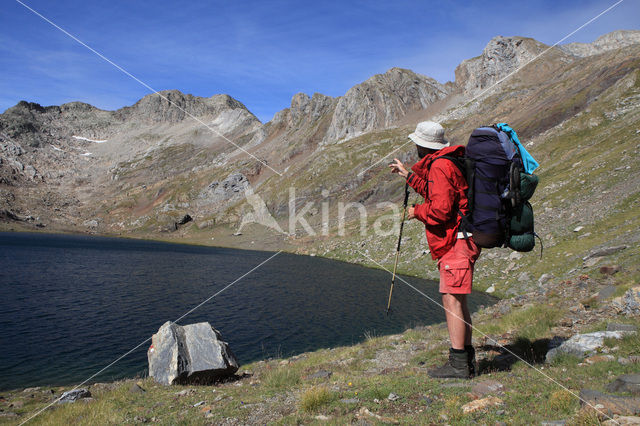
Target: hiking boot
<point>456,368</point>
<point>471,360</point>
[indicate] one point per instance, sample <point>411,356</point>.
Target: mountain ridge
<point>50,151</point>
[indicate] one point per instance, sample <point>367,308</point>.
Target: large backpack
<point>499,172</point>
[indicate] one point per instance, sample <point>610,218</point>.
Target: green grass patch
<point>529,323</point>
<point>562,401</point>
<point>315,398</point>
<point>281,378</point>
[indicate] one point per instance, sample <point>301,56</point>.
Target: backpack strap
<point>541,246</point>
<point>459,162</point>
<point>467,169</point>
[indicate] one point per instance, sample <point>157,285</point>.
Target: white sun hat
<point>429,134</point>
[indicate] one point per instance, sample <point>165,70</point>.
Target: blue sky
<point>262,52</point>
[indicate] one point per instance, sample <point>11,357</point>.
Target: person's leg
<point>456,277</point>
<point>468,347</point>
<point>467,319</point>
<point>455,306</point>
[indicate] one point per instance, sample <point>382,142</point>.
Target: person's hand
<point>411,213</point>
<point>398,167</point>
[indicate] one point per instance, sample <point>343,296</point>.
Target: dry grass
<point>315,398</point>
<point>561,400</point>
<point>281,378</point>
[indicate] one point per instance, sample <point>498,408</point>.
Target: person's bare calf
<point>458,319</point>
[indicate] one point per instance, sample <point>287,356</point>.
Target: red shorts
<point>456,267</point>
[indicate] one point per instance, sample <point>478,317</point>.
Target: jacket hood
<point>421,168</point>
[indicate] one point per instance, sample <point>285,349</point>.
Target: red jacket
<point>443,187</point>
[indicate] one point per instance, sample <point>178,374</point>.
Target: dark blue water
<point>70,305</point>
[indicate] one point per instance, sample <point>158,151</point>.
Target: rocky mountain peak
<point>302,106</point>
<point>174,106</point>
<point>604,43</point>
<point>24,106</point>
<point>381,101</point>
<point>303,109</point>
<point>501,56</point>
<point>299,101</point>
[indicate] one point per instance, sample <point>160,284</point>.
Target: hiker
<point>443,187</point>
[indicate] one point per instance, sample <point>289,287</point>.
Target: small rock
<point>607,251</point>
<point>566,322</point>
<point>426,400</point>
<point>73,395</point>
<point>491,289</point>
<point>136,388</point>
<point>103,386</point>
<point>545,278</point>
<point>364,412</point>
<point>515,256</point>
<point>481,404</point>
<point>393,397</point>
<point>186,392</point>
<point>621,405</point>
<point>626,383</point>
<point>622,421</point>
<point>500,413</point>
<point>455,385</point>
<point>554,423</point>
<point>590,262</point>
<point>322,417</point>
<point>605,293</point>
<point>7,414</point>
<point>93,224</point>
<point>16,404</point>
<point>609,270</point>
<point>487,387</point>
<point>629,303</point>
<point>524,277</point>
<point>613,326</point>
<point>350,400</point>
<point>197,404</point>
<point>578,228</point>
<point>31,390</point>
<point>320,374</point>
<point>583,345</point>
<point>599,358</point>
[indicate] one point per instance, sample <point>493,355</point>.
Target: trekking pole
<point>395,265</point>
